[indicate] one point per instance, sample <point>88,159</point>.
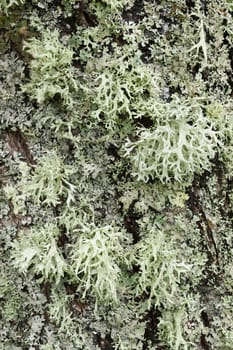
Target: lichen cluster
<point>116,175</point>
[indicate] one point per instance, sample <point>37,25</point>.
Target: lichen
<point>51,69</point>
<point>5,5</point>
<point>181,144</point>
<point>116,175</point>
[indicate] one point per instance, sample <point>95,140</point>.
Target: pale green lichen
<point>95,257</point>
<point>171,329</point>
<point>129,124</point>
<point>122,88</point>
<point>5,5</point>
<point>37,252</point>
<point>181,144</point>
<point>160,268</point>
<point>47,184</point>
<point>51,71</point>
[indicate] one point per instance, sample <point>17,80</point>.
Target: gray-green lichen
<point>116,175</point>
